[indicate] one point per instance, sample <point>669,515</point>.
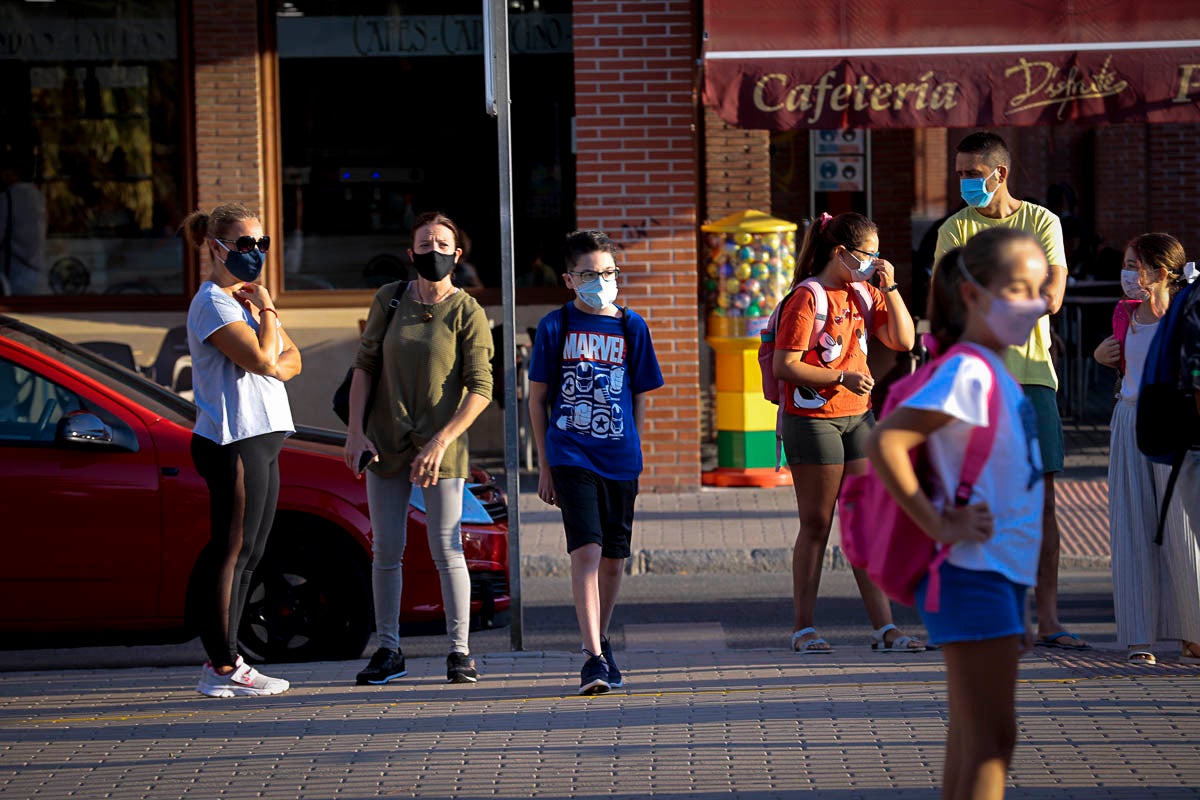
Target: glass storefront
<point>382,118</point>
<point>91,161</point>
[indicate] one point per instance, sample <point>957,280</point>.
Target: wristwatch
<point>841,377</point>
<point>891,288</point>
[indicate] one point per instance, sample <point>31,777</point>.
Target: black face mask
<point>433,266</point>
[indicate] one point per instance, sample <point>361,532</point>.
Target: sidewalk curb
<point>735,562</point>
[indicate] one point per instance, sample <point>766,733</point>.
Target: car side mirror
<point>83,427</point>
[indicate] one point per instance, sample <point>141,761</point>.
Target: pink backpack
<point>774,389</point>
<point>877,535</point>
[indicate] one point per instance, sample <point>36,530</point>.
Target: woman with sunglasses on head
<point>431,363</point>
<point>825,322</point>
<point>240,358</point>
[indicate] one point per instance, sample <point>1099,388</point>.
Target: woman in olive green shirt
<point>433,363</point>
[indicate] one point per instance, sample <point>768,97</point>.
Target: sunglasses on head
<point>244,244</point>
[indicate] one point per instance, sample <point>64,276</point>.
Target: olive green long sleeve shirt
<point>425,370</point>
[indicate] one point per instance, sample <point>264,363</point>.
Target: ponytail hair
<point>198,226</point>
<point>980,259</point>
<point>850,230</point>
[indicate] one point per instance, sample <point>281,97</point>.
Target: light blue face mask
<point>974,190</point>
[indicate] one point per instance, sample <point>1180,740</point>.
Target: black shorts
<point>595,510</point>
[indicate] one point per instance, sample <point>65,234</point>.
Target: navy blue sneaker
<point>614,675</point>
<point>386,665</point>
<point>593,678</point>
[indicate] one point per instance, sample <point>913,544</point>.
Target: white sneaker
<point>244,681</point>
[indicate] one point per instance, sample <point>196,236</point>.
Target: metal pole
<point>495,15</point>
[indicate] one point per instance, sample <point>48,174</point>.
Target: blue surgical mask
<point>862,271</point>
<point>597,294</point>
<point>974,190</point>
<point>243,266</point>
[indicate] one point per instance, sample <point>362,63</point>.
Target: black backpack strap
<point>387,321</point>
<point>1176,466</point>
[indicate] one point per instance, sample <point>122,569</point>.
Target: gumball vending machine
<point>749,261</point>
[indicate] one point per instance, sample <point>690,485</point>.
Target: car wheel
<point>309,600</point>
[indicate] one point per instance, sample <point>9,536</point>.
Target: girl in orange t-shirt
<point>828,402</point>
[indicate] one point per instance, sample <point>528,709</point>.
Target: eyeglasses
<point>864,252</point>
<point>590,275</point>
<point>245,244</point>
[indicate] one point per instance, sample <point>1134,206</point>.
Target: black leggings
<point>243,486</point>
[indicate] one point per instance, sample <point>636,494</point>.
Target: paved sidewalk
<point>713,724</point>
<point>748,530</point>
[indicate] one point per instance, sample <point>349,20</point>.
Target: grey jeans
<point>388,499</point>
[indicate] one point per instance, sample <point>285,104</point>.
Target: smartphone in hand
<point>365,459</point>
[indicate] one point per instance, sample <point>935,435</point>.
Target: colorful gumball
<point>741,300</point>
<point>789,263</point>
<point>722,301</point>
<point>745,253</point>
<point>761,270</point>
<point>732,286</point>
<point>750,286</point>
<point>726,269</point>
<point>713,269</point>
<point>753,310</point>
<point>742,270</point>
<point>743,238</point>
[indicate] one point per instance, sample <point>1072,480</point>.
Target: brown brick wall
<point>737,168</point>
<point>636,173</point>
<point>228,96</point>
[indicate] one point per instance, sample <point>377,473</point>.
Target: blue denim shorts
<point>974,606</point>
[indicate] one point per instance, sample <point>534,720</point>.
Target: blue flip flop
<point>1056,640</point>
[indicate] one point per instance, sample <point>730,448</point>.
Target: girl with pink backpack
<point>1156,588</point>
<point>985,296</point>
<point>825,323</point>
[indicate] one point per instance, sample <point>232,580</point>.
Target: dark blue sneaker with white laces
<point>593,678</point>
<point>615,681</point>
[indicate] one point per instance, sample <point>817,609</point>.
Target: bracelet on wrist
<point>891,288</point>
<point>266,310</point>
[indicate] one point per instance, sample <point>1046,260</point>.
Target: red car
<point>104,519</point>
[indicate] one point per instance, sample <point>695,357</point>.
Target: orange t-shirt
<point>842,345</point>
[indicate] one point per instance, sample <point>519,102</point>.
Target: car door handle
<point>170,472</point>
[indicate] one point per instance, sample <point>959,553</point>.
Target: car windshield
<point>140,389</point>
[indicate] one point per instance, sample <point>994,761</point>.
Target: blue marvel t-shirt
<point>591,418</point>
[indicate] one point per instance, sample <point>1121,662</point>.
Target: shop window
<point>382,118</point>
<point>90,155</point>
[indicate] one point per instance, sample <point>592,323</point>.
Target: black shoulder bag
<point>341,397</point>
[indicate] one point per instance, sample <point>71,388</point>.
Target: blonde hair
<point>199,226</point>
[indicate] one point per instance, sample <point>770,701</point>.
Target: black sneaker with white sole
<point>615,680</point>
<point>386,665</point>
<point>460,668</point>
<point>593,678</point>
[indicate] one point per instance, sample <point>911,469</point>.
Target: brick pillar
<point>229,120</point>
<point>737,168</point>
<point>636,173</point>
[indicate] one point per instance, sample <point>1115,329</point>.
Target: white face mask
<point>1010,321</point>
<point>1132,287</point>
<point>597,294</point>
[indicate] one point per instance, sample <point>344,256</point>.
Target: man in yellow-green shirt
<point>983,163</point>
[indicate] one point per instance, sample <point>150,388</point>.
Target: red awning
<point>784,65</point>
